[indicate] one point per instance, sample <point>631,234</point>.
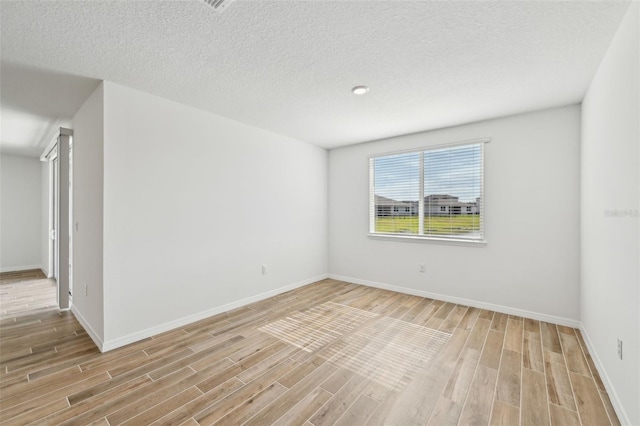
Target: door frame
<point>58,156</point>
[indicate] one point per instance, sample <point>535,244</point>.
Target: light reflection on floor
<point>384,349</point>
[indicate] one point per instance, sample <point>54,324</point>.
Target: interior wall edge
<point>90,331</point>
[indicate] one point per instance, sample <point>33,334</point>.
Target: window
<point>442,188</point>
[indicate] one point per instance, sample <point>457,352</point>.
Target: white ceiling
<point>288,66</point>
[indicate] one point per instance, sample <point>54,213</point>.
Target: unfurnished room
<point>310,212</point>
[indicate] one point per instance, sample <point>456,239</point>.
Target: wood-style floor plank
<point>535,407</point>
<point>411,405</point>
<point>359,412</point>
<point>550,339</point>
<point>513,336</point>
<point>559,386</point>
<point>504,414</point>
<point>532,350</point>
<point>304,409</point>
<point>331,353</point>
<point>510,378</point>
<point>573,353</point>
<point>477,408</point>
<point>563,417</point>
<point>159,410</point>
<point>198,404</point>
<point>590,407</point>
<point>492,349</point>
<point>610,410</point>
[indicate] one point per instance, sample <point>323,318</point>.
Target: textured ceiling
<point>288,66</point>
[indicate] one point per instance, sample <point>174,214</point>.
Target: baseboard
<point>143,334</point>
<point>461,301</point>
<point>611,391</point>
<point>90,331</point>
<point>20,268</point>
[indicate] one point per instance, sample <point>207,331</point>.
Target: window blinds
<point>431,193</point>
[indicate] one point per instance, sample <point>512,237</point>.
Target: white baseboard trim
<point>461,301</point>
<point>90,331</point>
<point>611,391</point>
<point>20,268</point>
<point>143,334</point>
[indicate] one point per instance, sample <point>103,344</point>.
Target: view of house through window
<point>433,193</point>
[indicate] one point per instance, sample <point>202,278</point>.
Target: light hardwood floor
<point>328,353</point>
<point>25,293</point>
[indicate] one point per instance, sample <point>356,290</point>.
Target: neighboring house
<point>388,207</point>
<point>434,205</point>
<point>442,204</point>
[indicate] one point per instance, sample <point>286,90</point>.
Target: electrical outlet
<point>619,348</point>
<point>264,269</point>
<point>86,289</point>
<point>423,268</point>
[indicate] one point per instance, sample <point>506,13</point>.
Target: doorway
<point>59,156</point>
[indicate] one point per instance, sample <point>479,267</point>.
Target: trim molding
<point>459,300</point>
<point>20,268</point>
<point>90,331</point>
<point>611,390</point>
<point>143,334</point>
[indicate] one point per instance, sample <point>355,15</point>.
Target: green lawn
<point>438,225</point>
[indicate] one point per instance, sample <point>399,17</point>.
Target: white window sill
<point>432,240</point>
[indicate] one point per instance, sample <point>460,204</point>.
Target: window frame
<point>421,237</point>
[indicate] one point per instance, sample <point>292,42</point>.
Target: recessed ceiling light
<point>360,90</point>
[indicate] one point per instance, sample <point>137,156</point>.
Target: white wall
<point>610,254</point>
<point>530,262</point>
<point>194,204</point>
<point>88,139</point>
<point>20,193</point>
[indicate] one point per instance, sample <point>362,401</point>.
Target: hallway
<point>26,292</point>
